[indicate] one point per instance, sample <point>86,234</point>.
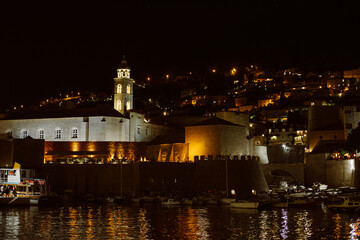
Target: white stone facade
<point>94,128</point>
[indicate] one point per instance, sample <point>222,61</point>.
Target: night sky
<point>50,48</point>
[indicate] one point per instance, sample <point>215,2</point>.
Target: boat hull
<point>280,205</point>
<point>245,204</point>
<point>227,201</point>
<point>14,201</point>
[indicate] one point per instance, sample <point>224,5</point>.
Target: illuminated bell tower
<point>123,88</point>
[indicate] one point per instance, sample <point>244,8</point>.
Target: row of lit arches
<point>119,89</point>
<point>119,105</point>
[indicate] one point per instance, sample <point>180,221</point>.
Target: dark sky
<point>51,47</point>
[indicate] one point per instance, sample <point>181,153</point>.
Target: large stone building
<point>214,137</point>
<point>96,124</point>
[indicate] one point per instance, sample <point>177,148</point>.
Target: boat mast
<point>226,177</point>
<point>121,178</point>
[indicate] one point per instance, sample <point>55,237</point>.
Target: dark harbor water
<point>111,221</point>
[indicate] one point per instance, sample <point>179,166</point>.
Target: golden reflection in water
<point>73,223</point>
<point>45,225</point>
<point>121,226</point>
<point>284,224</point>
<point>188,223</point>
<point>303,224</point>
<point>110,222</point>
<point>144,224</point>
<point>337,230</point>
<point>202,223</point>
<point>269,227</point>
<point>12,220</point>
<point>90,230</point>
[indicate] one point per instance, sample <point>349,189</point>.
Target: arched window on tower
<point>128,105</point>
<point>128,89</point>
<point>127,74</point>
<point>119,88</point>
<point>118,105</point>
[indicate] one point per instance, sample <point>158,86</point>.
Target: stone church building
<point>101,123</point>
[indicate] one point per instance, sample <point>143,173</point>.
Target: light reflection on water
<point>181,222</point>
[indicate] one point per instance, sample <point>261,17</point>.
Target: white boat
<point>345,202</point>
<point>109,200</point>
<point>227,201</point>
<point>16,190</point>
<point>244,204</point>
<point>171,201</point>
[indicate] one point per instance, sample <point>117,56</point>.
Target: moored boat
<point>301,202</point>
<point>18,190</point>
<point>244,204</point>
<point>227,201</point>
<point>14,201</point>
<point>171,201</point>
<point>344,202</point>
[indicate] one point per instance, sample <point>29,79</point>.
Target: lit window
<point>74,133</point>
<point>128,89</point>
<point>41,134</point>
<point>24,134</point>
<point>119,87</point>
<point>128,105</point>
<point>57,133</point>
<point>118,105</point>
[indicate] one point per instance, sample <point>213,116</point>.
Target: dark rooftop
<point>99,110</point>
<point>328,146</point>
<point>214,121</point>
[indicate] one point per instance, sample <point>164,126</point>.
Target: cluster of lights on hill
<point>260,80</point>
